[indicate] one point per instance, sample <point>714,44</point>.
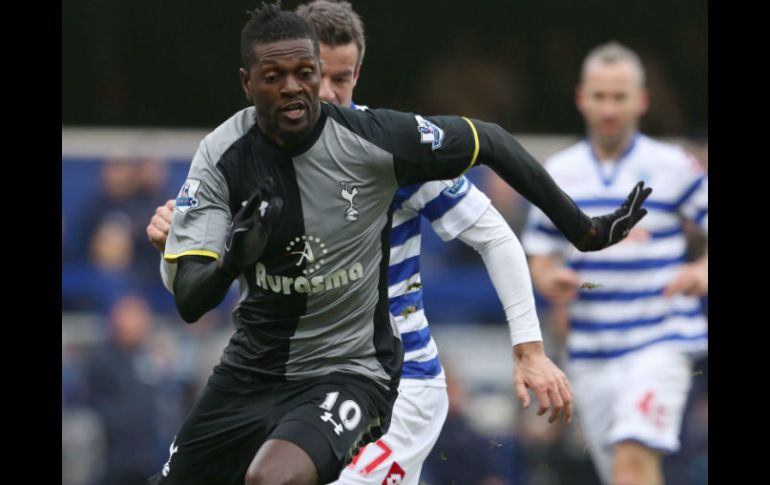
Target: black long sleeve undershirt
<point>200,283</point>
<point>199,286</point>
<point>503,154</point>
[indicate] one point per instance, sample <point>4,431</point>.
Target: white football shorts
<point>396,458</point>
<point>639,396</point>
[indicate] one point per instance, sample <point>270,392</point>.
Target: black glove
<point>250,230</point>
<point>612,228</point>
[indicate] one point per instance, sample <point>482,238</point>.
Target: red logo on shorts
<point>644,403</point>
<point>395,475</point>
<point>653,412</point>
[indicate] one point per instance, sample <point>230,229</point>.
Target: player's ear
<point>356,73</point>
<point>579,97</point>
<point>644,101</point>
<point>245,82</point>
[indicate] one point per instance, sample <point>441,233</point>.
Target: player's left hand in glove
<point>249,231</point>
<point>613,228</point>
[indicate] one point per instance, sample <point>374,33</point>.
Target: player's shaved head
<point>613,53</point>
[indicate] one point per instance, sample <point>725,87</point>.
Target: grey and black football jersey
<point>317,300</point>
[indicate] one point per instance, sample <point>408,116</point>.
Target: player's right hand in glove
<point>250,230</point>
<point>613,228</point>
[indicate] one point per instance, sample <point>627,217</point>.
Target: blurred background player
<point>634,315</point>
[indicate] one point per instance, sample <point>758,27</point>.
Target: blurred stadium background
<point>143,82</point>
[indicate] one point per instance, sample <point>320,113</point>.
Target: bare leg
<point>281,462</point>
<point>636,464</point>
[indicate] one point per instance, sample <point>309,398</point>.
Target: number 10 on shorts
<point>349,413</point>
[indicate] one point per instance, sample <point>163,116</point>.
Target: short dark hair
<point>269,24</point>
<point>335,23</point>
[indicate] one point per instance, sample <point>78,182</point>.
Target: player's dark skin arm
<point>199,286</point>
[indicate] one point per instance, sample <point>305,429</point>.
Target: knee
<point>261,477</point>
<point>635,464</point>
<point>275,475</point>
<point>280,462</point>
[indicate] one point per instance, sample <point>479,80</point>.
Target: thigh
<point>217,441</point>
<point>649,407</point>
<point>281,461</point>
<point>332,419</point>
<point>418,416</point>
<point>594,386</point>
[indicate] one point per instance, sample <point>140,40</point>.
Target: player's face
<point>612,99</point>
<point>283,83</point>
<point>339,73</point>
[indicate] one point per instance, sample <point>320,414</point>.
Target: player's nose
<point>326,93</point>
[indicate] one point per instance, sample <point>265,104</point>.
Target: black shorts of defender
<point>329,417</point>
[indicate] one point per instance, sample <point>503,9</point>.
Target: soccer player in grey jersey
<point>311,369</point>
<point>454,209</point>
